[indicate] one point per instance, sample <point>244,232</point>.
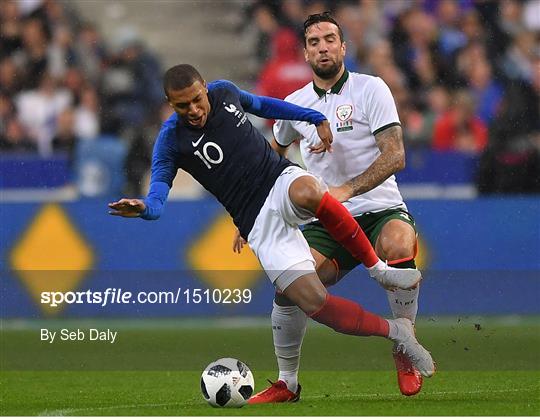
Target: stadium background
<point>81,102</point>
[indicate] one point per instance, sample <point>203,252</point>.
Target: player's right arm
<point>163,172</point>
<point>273,108</point>
<point>277,109</point>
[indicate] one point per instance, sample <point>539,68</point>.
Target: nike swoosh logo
<point>195,144</point>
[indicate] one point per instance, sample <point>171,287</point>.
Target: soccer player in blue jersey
<point>210,136</point>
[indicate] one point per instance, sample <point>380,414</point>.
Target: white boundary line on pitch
<point>68,411</point>
<point>478,391</point>
<point>463,321</point>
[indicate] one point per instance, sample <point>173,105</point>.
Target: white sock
<point>379,266</point>
<point>392,329</point>
<point>404,303</point>
<point>288,328</point>
<point>290,378</point>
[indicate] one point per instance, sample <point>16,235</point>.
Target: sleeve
<point>272,108</point>
<point>163,172</point>
<point>284,133</point>
<point>380,108</point>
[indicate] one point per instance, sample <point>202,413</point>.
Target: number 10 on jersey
<point>210,148</point>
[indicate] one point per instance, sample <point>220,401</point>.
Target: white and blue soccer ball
<point>227,382</point>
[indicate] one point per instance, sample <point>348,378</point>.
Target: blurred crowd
<point>465,74</point>
<point>61,84</point>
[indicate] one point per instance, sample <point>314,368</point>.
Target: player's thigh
<point>279,245</point>
<point>396,240</point>
<point>281,249</point>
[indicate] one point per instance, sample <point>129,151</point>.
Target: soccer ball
<point>227,382</point>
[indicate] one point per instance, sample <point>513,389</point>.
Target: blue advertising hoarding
<point>478,257</point>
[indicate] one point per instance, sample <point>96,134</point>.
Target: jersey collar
<point>334,89</point>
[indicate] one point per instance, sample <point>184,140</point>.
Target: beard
<point>328,72</point>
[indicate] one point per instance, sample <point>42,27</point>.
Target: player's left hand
<point>238,242</point>
<point>325,134</point>
<point>341,193</point>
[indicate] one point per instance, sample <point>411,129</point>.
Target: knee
<point>396,241</point>
<point>397,250</point>
<point>307,292</point>
<point>314,301</point>
<point>306,193</point>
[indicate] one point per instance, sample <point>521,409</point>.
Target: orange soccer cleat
<point>277,392</point>
<point>409,378</point>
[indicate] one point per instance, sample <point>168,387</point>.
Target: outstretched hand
<point>325,134</point>
<point>127,207</point>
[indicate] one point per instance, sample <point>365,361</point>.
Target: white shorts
<point>275,237</point>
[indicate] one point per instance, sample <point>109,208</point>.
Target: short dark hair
<point>180,77</point>
<point>318,18</point>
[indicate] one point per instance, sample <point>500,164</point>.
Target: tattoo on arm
<point>390,161</point>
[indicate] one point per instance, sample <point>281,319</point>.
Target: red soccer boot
<point>277,392</point>
<point>409,378</point>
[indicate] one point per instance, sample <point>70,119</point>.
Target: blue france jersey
<point>228,156</point>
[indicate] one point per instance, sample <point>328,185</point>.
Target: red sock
<point>348,317</point>
<point>344,229</point>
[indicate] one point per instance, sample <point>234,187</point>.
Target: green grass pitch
<point>486,366</point>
